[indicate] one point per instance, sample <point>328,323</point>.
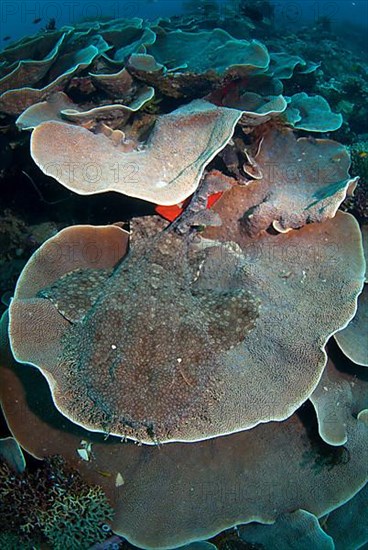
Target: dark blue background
<point>16,16</point>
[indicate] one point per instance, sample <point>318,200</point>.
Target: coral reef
<point>232,476</point>
<point>358,203</point>
<point>52,504</point>
<point>157,173</point>
<point>204,369</point>
<point>17,241</point>
<point>341,77</point>
<point>193,394</point>
<point>299,527</point>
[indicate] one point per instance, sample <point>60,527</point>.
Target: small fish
<point>51,25</point>
<point>85,451</point>
<point>119,481</point>
<point>104,474</point>
<point>37,20</point>
<point>363,154</point>
<point>7,37</point>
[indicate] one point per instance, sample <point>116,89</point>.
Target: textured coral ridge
<point>122,79</point>
<point>157,172</point>
<point>215,325</point>
<point>353,340</point>
<point>160,348</point>
<point>214,484</point>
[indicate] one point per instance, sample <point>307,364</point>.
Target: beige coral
<point>159,172</point>
<point>182,380</point>
<point>215,484</point>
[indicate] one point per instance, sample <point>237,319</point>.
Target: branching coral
<point>76,520</point>
<point>10,540</point>
<point>53,504</point>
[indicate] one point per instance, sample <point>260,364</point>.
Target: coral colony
<point>184,369</point>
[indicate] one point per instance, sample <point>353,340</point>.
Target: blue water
<point>17,16</point>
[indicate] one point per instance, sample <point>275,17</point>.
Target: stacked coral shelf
<point>191,371</point>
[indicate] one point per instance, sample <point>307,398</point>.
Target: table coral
<point>353,340</point>
<point>348,524</point>
<point>204,340</point>
<point>210,350</point>
<point>283,65</point>
<point>156,172</point>
<point>59,107</point>
<point>30,71</point>
<point>182,63</point>
<point>303,181</point>
<point>16,100</point>
<point>296,528</point>
<point>312,113</point>
<point>222,481</point>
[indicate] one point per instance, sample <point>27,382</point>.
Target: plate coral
<point>201,366</point>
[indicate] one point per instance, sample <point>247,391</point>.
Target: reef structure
<point>177,363</point>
